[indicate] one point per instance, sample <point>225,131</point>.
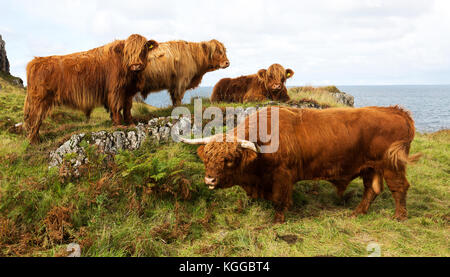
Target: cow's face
<point>224,163</point>
<point>217,55</point>
<point>274,79</point>
<point>136,50</point>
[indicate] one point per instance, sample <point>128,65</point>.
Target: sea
<point>429,104</point>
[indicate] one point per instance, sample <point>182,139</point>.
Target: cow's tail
<point>398,154</point>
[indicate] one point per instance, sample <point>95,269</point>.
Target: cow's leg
<point>251,96</point>
<point>36,109</point>
<point>398,185</point>
<point>371,180</point>
<point>115,105</point>
<point>176,95</point>
<point>281,194</point>
<point>128,118</point>
<point>341,186</point>
<point>88,114</point>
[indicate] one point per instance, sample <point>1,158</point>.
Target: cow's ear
<point>201,152</point>
<point>248,156</point>
<point>262,74</point>
<point>151,45</point>
<point>119,47</point>
<point>289,73</point>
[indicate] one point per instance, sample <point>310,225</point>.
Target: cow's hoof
<point>278,219</point>
<point>356,213</point>
<point>35,140</point>
<point>400,217</point>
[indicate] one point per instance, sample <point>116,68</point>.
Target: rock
<point>17,81</point>
<point>73,250</point>
<point>4,63</point>
<point>4,66</point>
<point>110,143</point>
<point>344,98</point>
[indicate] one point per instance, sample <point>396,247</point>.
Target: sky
<point>326,42</point>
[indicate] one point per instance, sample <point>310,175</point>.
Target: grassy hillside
<point>152,202</point>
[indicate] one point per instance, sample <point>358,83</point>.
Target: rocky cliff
<point>4,66</point>
<point>4,63</point>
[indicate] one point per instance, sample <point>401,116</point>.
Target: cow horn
<point>248,145</point>
<point>243,143</point>
<point>197,141</point>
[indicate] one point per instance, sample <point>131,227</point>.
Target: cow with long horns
<point>337,145</point>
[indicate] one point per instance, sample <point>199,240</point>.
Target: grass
<point>320,95</point>
<point>153,202</point>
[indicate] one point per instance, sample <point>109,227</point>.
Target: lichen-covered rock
<point>344,98</point>
<point>110,143</point>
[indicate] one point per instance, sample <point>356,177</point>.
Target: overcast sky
<point>346,42</point>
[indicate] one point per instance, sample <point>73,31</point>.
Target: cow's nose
<point>226,64</point>
<point>276,86</point>
<point>137,67</point>
<point>211,181</point>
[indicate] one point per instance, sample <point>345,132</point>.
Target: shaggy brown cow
<point>266,84</point>
<point>102,76</point>
<point>181,66</point>
<point>337,145</point>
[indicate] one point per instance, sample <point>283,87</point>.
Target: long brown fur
<point>337,145</point>
<point>84,80</point>
<point>267,84</point>
<point>181,66</point>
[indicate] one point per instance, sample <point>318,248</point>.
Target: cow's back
<point>176,63</point>
<point>78,80</point>
<point>340,142</point>
<point>337,142</point>
<point>234,89</point>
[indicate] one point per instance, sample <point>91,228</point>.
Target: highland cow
<point>337,145</point>
<point>181,66</point>
<point>105,76</point>
<point>265,85</point>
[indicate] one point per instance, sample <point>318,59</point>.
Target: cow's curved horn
<point>198,141</point>
<point>243,143</point>
<point>248,145</point>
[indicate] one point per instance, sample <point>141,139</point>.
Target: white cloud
<point>334,42</point>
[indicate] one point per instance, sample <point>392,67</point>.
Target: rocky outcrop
<point>73,152</point>
<point>4,66</point>
<point>344,98</point>
<point>4,63</point>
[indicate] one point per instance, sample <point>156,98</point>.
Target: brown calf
<point>266,84</point>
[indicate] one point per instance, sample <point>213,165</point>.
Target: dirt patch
<point>290,239</point>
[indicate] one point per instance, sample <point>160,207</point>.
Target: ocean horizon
<point>428,104</point>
